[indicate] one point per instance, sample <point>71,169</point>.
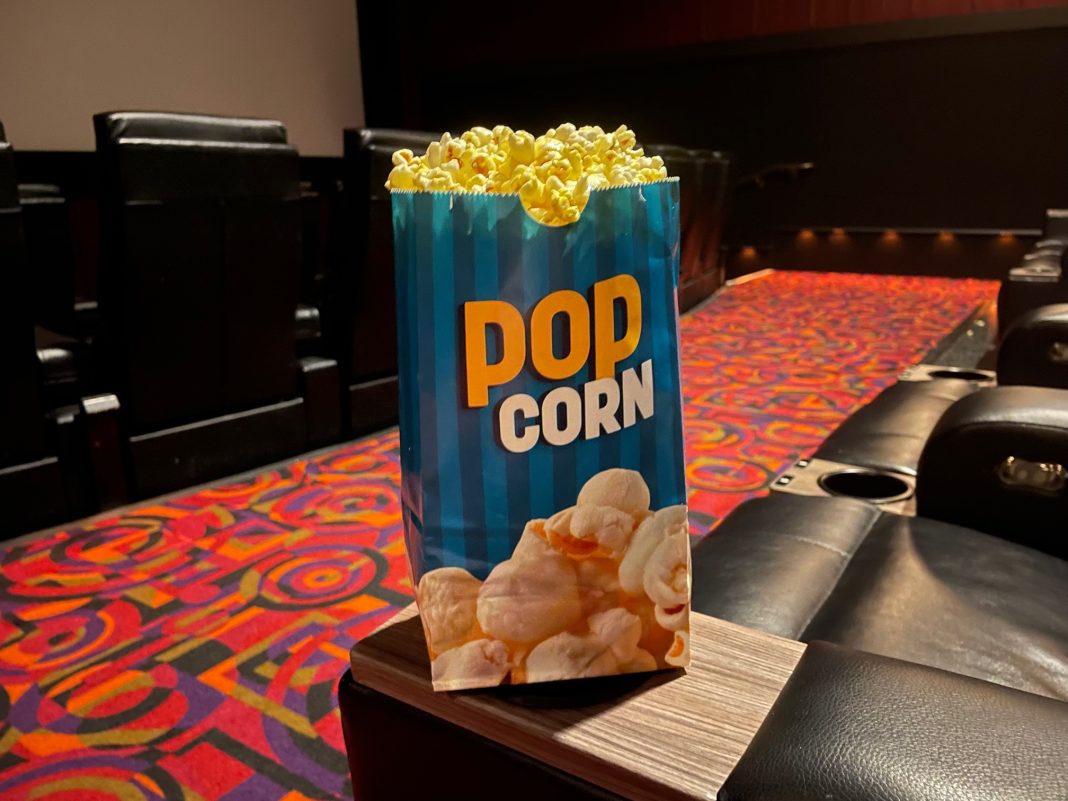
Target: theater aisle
<point>191,648</point>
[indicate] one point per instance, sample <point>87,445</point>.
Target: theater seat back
<point>704,188</point>
<point>684,163</point>
<point>50,255</point>
<point>201,261</point>
<point>364,302</point>
<point>21,422</point>
<point>715,203</point>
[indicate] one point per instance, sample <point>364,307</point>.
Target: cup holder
<point>960,375</point>
<point>867,485</point>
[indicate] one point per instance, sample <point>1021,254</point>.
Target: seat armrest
<point>772,563</point>
<point>308,324</point>
<point>1056,226</point>
<point>1034,351</point>
<point>997,461</point>
<point>854,725</point>
<point>321,389</point>
<point>1057,244</point>
<point>107,465</point>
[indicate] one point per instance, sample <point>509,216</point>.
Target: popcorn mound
<point>553,174</point>
<point>599,589</point>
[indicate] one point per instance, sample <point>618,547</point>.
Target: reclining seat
<point>46,227</point>
<point>44,458</point>
<point>361,317</point>
<point>22,436</point>
<point>976,584</point>
<point>685,164</point>
<point>704,177</point>
<point>198,291</point>
<point>912,588</point>
<point>890,433</point>
<point>1041,278</point>
<point>716,175</point>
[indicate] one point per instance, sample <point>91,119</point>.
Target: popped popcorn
<point>667,573</point>
<point>585,530</point>
<point>526,601</point>
<point>679,653</point>
<point>571,656</point>
<point>533,543</point>
<point>553,174</point>
<point>448,597</point>
<point>484,661</point>
<point>652,531</point>
<point>620,629</point>
<point>623,489</point>
<point>586,592</point>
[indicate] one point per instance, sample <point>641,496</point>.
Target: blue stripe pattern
<point>465,498</point>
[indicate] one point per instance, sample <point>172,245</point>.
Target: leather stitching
<point>876,516</point>
<point>818,544</point>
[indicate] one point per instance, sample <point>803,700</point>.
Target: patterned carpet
<point>191,649</point>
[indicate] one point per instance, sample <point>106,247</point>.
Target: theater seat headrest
<point>391,138</point>
<point>160,156</point>
<point>114,127</point>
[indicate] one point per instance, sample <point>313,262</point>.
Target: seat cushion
<point>956,599</point>
<point>910,588</point>
<point>890,432</point>
<point>771,564</point>
<point>850,725</point>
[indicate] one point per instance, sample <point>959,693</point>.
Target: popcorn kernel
<point>553,173</point>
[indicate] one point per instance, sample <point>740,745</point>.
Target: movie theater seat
<point>910,588</point>
<point>199,280</point>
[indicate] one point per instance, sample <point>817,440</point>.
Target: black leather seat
<point>198,294</point>
<point>856,726</point>
<point>910,588</point>
<point>1056,224</point>
<point>44,446</point>
<point>847,725</point>
<point>948,682</point>
<point>1041,278</point>
<point>361,313</point>
<point>20,413</point>
<point>704,189</point>
<point>50,256</point>
<point>998,461</point>
<point>889,433</point>
<point>1034,351</point>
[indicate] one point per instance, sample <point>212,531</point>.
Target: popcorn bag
<point>543,483</point>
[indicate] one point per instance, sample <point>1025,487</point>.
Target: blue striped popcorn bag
<point>543,485</point>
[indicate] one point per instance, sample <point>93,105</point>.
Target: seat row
<point>240,315</point>
<point>928,528</point>
<point>921,554</point>
<point>1041,277</point>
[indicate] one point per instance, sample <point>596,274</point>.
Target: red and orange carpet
<point>190,649</point>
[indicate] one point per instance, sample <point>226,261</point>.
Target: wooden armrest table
<point>669,735</point>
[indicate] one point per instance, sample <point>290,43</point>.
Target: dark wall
<point>910,124</point>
